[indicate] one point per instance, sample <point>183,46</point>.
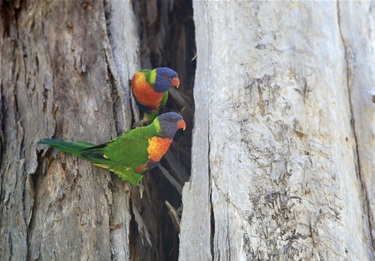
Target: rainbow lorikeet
<point>150,90</point>
<point>131,154</point>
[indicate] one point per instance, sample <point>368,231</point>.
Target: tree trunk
<point>282,156</point>
<point>58,82</point>
<point>65,71</point>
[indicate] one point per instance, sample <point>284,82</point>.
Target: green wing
<point>129,149</point>
<point>123,154</point>
<point>164,100</point>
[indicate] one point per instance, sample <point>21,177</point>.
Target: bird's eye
<point>166,76</point>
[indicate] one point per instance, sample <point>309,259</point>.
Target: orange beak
<point>181,124</point>
<point>175,82</point>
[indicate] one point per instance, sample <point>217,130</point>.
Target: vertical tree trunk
<point>58,80</point>
<point>358,36</point>
<point>279,168</point>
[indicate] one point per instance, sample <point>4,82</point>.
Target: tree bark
<point>59,81</point>
<point>358,37</point>
<point>282,156</point>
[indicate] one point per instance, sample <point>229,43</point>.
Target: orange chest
<point>158,147</point>
<point>144,93</point>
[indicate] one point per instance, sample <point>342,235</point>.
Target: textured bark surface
<point>282,165</point>
<point>358,36</point>
<point>65,71</point>
<point>56,83</point>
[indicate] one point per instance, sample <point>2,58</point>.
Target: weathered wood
<point>195,236</point>
<point>125,50</point>
<point>57,84</point>
<point>358,37</point>
<point>276,123</point>
<point>73,199</point>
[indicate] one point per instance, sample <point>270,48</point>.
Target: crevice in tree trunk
<point>348,54</point>
<point>116,102</point>
<point>31,226</point>
<point>212,231</point>
<point>2,127</point>
<point>210,181</point>
<point>167,37</point>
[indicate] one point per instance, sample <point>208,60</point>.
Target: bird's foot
<point>141,188</point>
<point>140,123</point>
<point>174,215</point>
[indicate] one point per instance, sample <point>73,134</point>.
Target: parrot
<point>150,91</point>
<point>133,153</point>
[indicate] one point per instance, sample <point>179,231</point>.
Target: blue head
<point>169,123</point>
<point>165,79</point>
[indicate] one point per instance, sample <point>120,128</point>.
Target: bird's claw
<point>141,188</point>
<point>140,123</point>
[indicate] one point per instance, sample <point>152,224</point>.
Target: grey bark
<point>59,80</point>
<point>358,36</point>
<point>283,159</point>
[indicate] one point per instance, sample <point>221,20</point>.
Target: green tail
<point>74,148</point>
<point>94,153</point>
